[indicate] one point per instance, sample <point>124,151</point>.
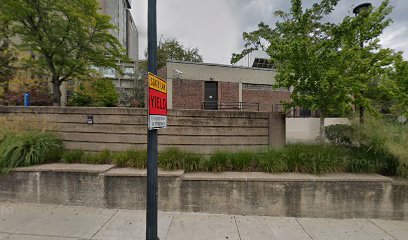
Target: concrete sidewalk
<point>50,222</point>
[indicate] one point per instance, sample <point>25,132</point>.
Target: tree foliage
<point>397,87</point>
<point>135,96</point>
<point>172,49</point>
<point>8,58</point>
<point>366,67</point>
<point>20,84</point>
<point>67,37</point>
<point>324,62</point>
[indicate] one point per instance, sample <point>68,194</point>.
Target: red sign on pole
<point>157,102</point>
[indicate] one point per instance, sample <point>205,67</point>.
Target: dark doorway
<point>211,96</point>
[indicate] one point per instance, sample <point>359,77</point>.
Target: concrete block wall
<point>307,129</point>
<point>119,129</point>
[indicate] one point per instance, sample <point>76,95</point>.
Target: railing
<point>244,106</point>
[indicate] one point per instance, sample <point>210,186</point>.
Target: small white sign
<point>157,121</point>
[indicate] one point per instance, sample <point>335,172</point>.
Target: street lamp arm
<point>361,7</point>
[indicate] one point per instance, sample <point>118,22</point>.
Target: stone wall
<point>119,129</point>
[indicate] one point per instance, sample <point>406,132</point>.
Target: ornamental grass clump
<point>315,158</point>
<point>384,144</point>
<point>103,157</point>
<point>365,160</point>
<point>171,159</point>
<point>131,158</point>
<point>73,156</point>
<point>192,162</point>
<point>242,160</point>
<point>272,161</point>
<point>29,148</point>
<point>217,162</point>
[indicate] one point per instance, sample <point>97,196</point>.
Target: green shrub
<point>242,160</point>
<point>80,99</point>
<point>364,160</point>
<point>37,88</point>
<point>272,161</point>
<point>29,148</point>
<point>96,93</point>
<point>398,147</point>
<point>217,162</point>
<point>372,135</point>
<point>73,156</point>
<point>340,134</point>
<point>315,158</point>
<point>385,144</point>
<point>402,169</point>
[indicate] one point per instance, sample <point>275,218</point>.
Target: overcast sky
<point>215,26</point>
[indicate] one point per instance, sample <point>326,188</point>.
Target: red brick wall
<point>187,94</point>
<point>265,98</point>
<point>162,72</point>
<point>228,92</point>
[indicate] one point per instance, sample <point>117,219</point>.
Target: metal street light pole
<point>356,11</point>
<point>152,149</point>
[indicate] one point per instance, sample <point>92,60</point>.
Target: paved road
<point>50,222</point>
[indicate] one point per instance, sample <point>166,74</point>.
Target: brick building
<point>214,86</point>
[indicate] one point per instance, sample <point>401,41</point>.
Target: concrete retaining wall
<point>292,195</point>
<point>119,129</point>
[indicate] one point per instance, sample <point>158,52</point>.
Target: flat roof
<point>221,65</point>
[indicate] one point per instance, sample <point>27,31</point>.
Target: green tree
<point>397,87</point>
<point>302,50</point>
<point>323,62</point>
<point>135,97</point>
<point>8,58</point>
<point>67,37</point>
<point>171,49</point>
<point>366,67</point>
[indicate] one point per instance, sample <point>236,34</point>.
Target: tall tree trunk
<point>56,91</point>
<point>322,137</point>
